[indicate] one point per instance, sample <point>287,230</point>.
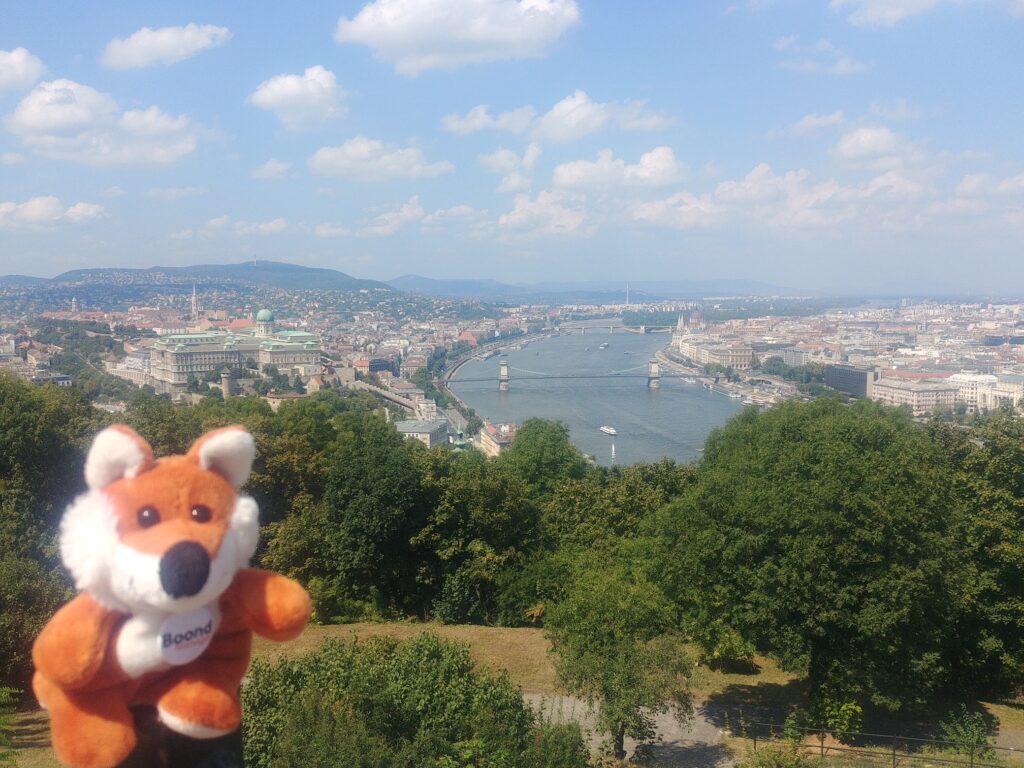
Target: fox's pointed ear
<point>116,452</point>
<point>228,452</point>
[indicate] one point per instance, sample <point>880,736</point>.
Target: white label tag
<point>184,636</point>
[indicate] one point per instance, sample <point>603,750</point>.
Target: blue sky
<point>849,144</point>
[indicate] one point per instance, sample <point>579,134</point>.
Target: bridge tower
<point>654,375</point>
<point>503,377</point>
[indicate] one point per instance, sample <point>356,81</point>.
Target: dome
<point>264,316</point>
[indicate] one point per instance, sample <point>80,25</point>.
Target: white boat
<point>735,395</point>
<point>609,430</point>
<point>603,345</point>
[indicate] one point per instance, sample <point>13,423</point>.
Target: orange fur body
<point>97,655</point>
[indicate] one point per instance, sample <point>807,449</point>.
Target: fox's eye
<point>148,517</point>
<point>201,514</point>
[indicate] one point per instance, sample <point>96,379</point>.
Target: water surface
<point>669,422</point>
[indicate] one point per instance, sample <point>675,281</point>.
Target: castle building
<point>176,357</point>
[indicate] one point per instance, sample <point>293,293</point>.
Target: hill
<point>263,273</point>
<point>595,292</point>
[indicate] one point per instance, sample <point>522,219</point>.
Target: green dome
<point>264,316</point>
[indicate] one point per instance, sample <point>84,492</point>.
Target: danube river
<point>651,424</point>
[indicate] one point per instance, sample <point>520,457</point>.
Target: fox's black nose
<point>184,569</point>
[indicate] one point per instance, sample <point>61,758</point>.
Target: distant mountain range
<point>588,291</point>
<point>263,273</point>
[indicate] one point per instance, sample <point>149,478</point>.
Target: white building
<point>975,388</point>
<point>429,432</point>
<point>176,357</point>
<point>922,396</point>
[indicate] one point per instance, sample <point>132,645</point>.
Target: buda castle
<point>176,357</point>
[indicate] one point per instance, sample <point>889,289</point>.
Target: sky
<point>819,144</point>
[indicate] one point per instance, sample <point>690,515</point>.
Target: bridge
<point>650,371</point>
<point>611,326</point>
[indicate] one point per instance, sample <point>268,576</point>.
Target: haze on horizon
<point>851,144</point>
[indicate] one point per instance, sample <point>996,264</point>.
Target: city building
<point>850,379</point>
<point>495,438</point>
<point>700,351</point>
<point>176,357</point>
<point>429,432</point>
<point>795,357</point>
<point>975,389</point>
<point>922,396</point>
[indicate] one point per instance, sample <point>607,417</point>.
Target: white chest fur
<point>149,642</point>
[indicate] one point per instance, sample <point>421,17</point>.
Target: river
<point>670,422</point>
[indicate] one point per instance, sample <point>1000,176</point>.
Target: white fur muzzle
<point>126,580</point>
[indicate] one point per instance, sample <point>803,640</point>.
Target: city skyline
<point>854,144</point>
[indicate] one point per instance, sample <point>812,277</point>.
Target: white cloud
<point>896,185</point>
<point>682,210</point>
<point>655,168</point>
<point>272,227</point>
<point>389,222</point>
<point>877,146</point>
<point>272,169</point>
<point>574,117</point>
<point>82,212</point>
<point>41,212</point>
<point>331,230</point>
<point>167,45</point>
<point>455,214</point>
<point>479,118</point>
<point>301,101</point>
<point>578,115</point>
<point>175,193</point>
<point>897,110</point>
<point>226,223</point>
<point>550,213</point>
<point>882,13</point>
<point>810,123</point>
<point>984,185</point>
<point>821,57</point>
<point>11,158</point>
<point>516,170</point>
<point>889,13</point>
<point>371,160</point>
<point>65,120</point>
<point>417,35</point>
<point>19,69</point>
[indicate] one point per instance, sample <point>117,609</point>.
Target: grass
<point>525,655</point>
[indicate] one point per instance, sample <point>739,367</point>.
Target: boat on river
<point>609,430</point>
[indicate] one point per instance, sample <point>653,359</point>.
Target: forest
<point>879,558</point>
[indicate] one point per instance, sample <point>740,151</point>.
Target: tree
<point>543,455</point>
<point>480,521</point>
<point>354,544</point>
<point>821,533</point>
<point>383,704</point>
<point>613,634</point>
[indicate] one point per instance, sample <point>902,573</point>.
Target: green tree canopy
<point>820,532</point>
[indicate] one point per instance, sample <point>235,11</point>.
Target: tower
<point>503,377</point>
<point>654,375</point>
<point>195,303</point>
<point>74,305</point>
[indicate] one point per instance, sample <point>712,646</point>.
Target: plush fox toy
<point>159,550</point>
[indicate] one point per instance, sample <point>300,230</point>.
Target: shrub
<point>842,717</point>
<point>29,595</point>
<point>387,703</point>
<point>7,696</point>
<point>968,731</point>
<point>788,756</point>
<point>722,647</point>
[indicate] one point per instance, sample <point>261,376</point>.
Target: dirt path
<point>697,743</point>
